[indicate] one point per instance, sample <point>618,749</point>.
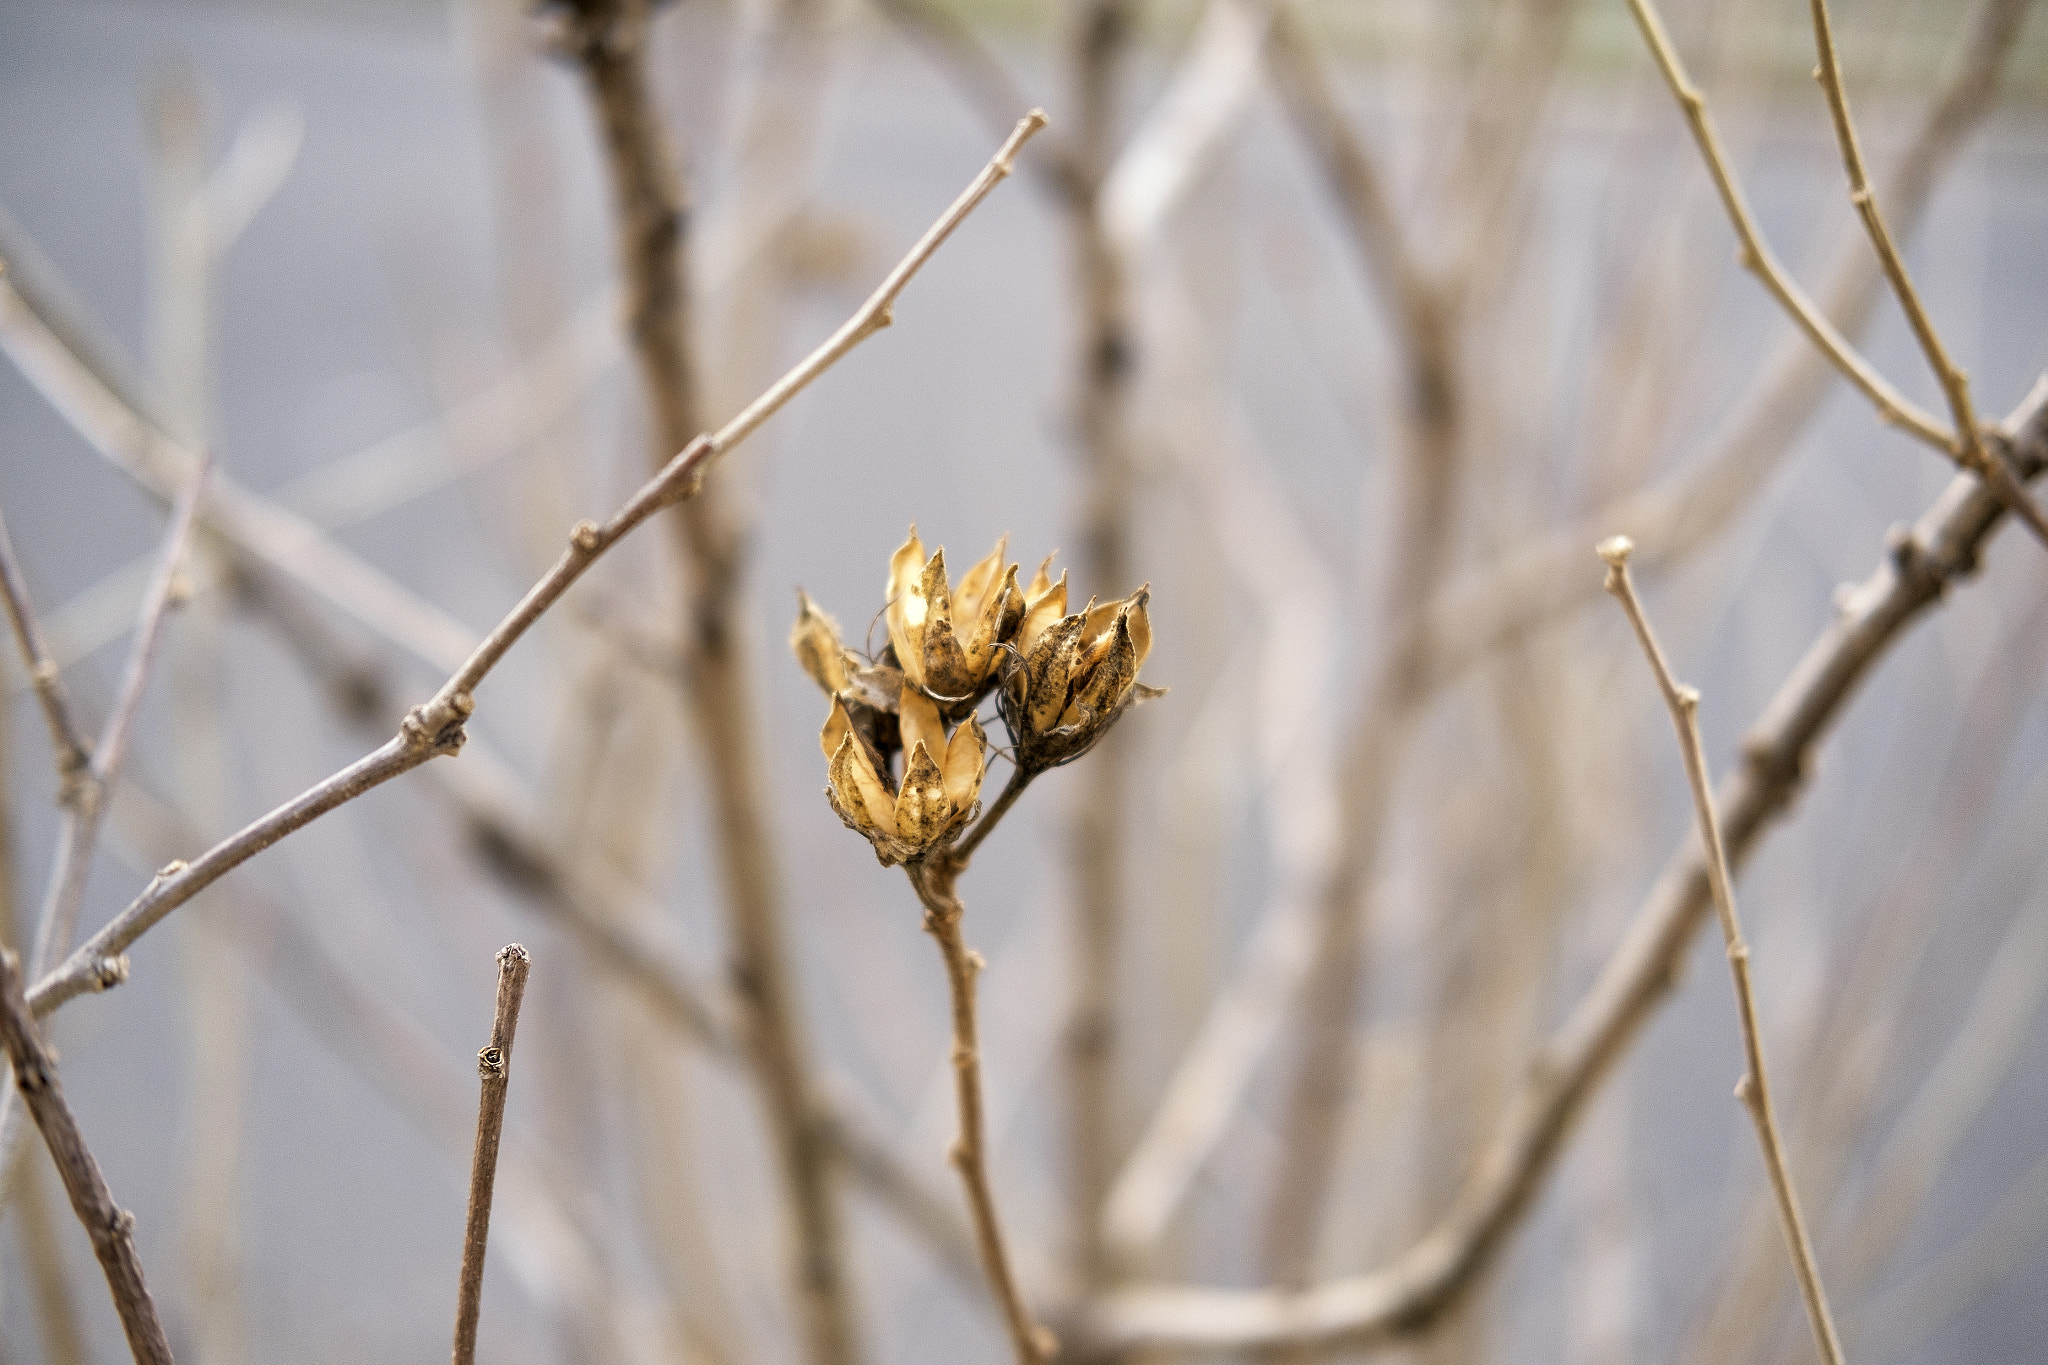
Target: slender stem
<point>69,747</point>
<point>436,727</point>
<point>494,1066</point>
<point>111,1228</point>
<point>1892,406</point>
<point>1968,445</point>
<point>1754,1088</point>
<point>1014,788</point>
<point>934,882</point>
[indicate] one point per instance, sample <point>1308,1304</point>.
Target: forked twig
<point>1967,447</point>
<point>436,726</point>
<point>87,808</point>
<point>494,1066</point>
<point>1892,406</point>
<point>111,1228</point>
<point>1753,1089</point>
<point>91,788</point>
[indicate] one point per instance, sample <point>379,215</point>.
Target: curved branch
<point>1920,562</point>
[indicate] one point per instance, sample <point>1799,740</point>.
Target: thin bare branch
<point>1921,562</point>
<point>1968,443</point>
<point>436,726</point>
<point>494,1067</point>
<point>111,1228</point>
<point>1753,1089</point>
<point>1893,406</point>
<point>68,746</point>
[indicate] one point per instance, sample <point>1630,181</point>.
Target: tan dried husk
<point>941,787</point>
<point>1072,676</point>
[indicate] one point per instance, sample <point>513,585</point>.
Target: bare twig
<point>1920,564</point>
<point>1967,446</point>
<point>494,1067</point>
<point>111,1228</point>
<point>85,811</point>
<point>1753,1089</point>
<point>935,879</point>
<point>66,743</point>
<point>436,726</point>
<point>1893,406</point>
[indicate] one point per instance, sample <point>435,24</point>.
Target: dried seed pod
<point>1074,675</point>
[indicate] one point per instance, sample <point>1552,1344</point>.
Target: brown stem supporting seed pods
<point>494,1067</point>
<point>935,879</point>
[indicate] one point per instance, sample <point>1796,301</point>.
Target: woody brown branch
<point>110,1228</point>
<point>608,41</point>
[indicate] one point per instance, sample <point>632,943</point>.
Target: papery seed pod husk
<point>944,672</point>
<point>906,607</point>
<point>814,639</point>
<point>1000,609</point>
<point>922,810</point>
<point>862,799</point>
<point>965,766</point>
<point>1101,688</point>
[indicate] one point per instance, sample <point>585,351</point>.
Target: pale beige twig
<point>68,746</point>
<point>494,1067</point>
<point>111,1228</point>
<point>1893,406</point>
<point>935,879</point>
<point>1921,563</point>
<point>1753,1089</point>
<point>436,726</point>
<point>1967,445</point>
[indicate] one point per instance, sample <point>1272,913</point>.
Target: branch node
<point>583,535</point>
<point>109,972</point>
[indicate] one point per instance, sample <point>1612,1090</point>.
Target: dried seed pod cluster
<point>1060,680</point>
